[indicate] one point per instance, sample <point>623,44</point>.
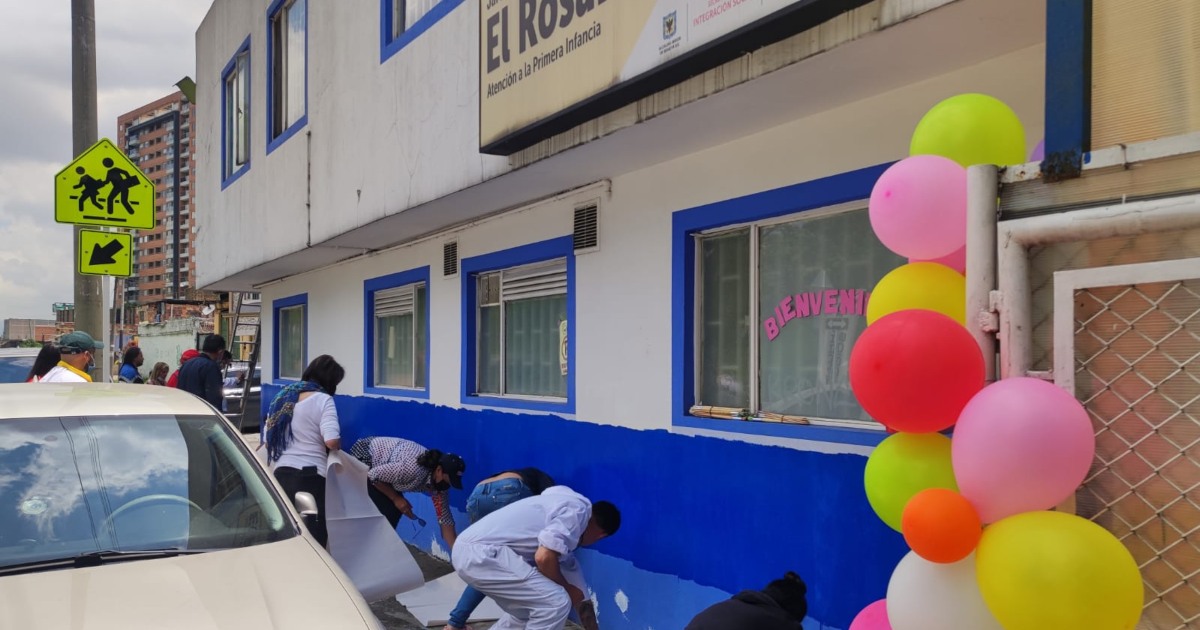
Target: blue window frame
<point>396,334</point>
<point>518,328</point>
<point>402,21</point>
<point>235,116</point>
<point>289,352</point>
<point>287,70</point>
<point>686,225</point>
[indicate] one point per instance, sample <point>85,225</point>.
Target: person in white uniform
<point>522,556</point>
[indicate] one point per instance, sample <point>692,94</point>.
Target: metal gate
<point>1127,344</point>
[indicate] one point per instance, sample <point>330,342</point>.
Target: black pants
<point>384,504</point>
<point>308,480</point>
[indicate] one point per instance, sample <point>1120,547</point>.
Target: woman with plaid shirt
<point>396,466</point>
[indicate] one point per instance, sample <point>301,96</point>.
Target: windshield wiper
<point>95,559</point>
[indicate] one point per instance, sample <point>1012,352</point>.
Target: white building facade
<point>567,257</point>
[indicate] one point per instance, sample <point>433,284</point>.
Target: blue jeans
<point>485,499</point>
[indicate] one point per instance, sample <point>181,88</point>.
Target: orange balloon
<point>941,525</point>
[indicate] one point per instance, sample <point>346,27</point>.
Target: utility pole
<point>89,315</point>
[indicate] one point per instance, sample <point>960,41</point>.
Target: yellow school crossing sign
<point>105,253</point>
<point>103,187</point>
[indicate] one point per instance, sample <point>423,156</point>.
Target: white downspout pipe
<point>982,191</point>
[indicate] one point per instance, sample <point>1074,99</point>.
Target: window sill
<point>234,176</point>
<point>390,46</point>
<point>274,143</point>
<point>553,405</point>
<point>809,432</point>
<point>397,392</point>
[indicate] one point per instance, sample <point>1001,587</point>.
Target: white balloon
<point>924,595</point>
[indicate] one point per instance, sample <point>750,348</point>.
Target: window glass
<point>291,342</point>
<point>811,280</point>
<point>241,118</point>
<point>522,331</point>
<point>288,26</point>
<point>815,278</point>
<point>531,340</point>
<point>405,13</point>
<point>400,336</point>
<point>725,320</point>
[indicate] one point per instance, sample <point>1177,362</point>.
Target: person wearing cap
<point>782,605</point>
<point>78,351</point>
<point>187,355</point>
<point>396,466</point>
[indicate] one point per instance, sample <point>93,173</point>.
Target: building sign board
<point>540,58</point>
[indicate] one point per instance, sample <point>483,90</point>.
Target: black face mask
<point>441,486</point>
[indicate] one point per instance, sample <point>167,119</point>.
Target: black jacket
<point>748,610</point>
<point>202,376</point>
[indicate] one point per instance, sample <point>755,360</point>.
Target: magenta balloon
<point>1021,444</point>
<point>873,617</point>
<point>1039,152</point>
<point>956,261</point>
<point>918,207</point>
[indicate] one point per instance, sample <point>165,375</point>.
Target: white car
<point>140,507</point>
<point>15,363</point>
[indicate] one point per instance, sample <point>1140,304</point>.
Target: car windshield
<point>77,485</point>
<point>15,369</point>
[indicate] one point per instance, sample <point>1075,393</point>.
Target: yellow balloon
<point>971,129</point>
<point>922,285</point>
<point>1043,570</point>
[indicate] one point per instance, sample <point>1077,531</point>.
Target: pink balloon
<point>918,207</point>
<point>1021,444</point>
<point>956,261</point>
<point>873,617</point>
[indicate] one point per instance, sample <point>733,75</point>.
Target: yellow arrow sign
<point>102,187</point>
<point>105,253</point>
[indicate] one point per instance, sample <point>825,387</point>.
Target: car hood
<point>287,584</point>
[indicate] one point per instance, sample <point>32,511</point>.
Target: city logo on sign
<point>105,253</point>
<point>103,187</point>
<point>670,25</point>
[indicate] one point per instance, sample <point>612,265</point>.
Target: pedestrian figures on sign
<point>91,189</point>
<point>116,178</point>
<point>121,181</point>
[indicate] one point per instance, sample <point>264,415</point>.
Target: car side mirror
<point>306,505</point>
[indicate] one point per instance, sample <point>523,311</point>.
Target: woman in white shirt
<point>302,427</point>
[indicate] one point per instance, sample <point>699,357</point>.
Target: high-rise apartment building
<point>158,137</point>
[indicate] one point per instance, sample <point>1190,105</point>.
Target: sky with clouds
<point>143,47</point>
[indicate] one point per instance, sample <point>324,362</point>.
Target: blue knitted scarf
<point>279,417</point>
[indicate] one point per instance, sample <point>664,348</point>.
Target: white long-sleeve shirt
<point>554,519</point>
<point>314,422</point>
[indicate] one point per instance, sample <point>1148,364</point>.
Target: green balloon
<point>903,465</point>
<point>971,129</point>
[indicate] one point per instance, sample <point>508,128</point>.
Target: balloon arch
<point>987,552</point>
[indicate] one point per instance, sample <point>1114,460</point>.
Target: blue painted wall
<point>701,517</point>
